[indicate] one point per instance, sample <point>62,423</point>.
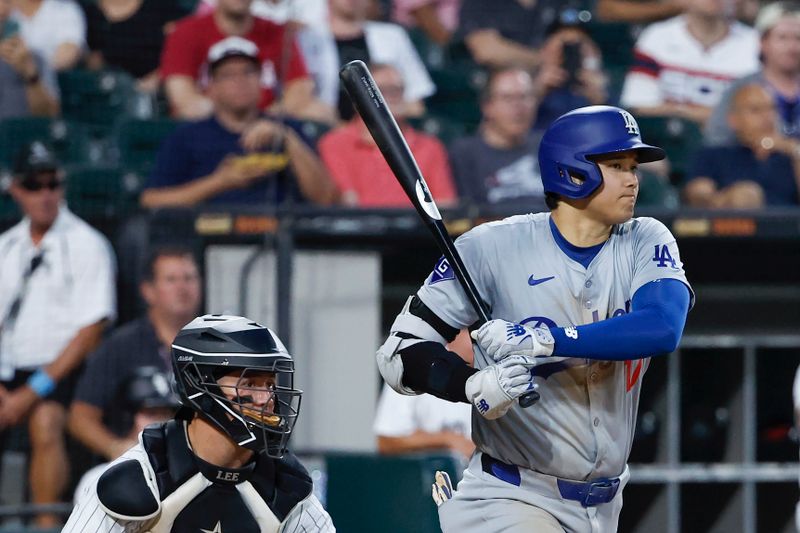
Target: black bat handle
<point>370,105</point>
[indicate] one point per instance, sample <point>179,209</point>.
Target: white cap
<point>771,14</point>
<point>232,47</point>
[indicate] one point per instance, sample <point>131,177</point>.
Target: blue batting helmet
<point>569,143</point>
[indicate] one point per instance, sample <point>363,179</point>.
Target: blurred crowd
<point>120,106</point>
<point>238,101</point>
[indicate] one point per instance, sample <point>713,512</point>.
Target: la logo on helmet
<point>630,122</point>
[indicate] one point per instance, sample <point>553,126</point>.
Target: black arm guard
<point>420,310</point>
<point>430,367</point>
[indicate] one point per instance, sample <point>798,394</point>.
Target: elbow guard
<point>430,367</point>
<point>413,359</point>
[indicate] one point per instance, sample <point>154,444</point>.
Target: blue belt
<point>588,493</point>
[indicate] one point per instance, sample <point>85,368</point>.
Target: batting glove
<point>442,489</point>
<point>494,389</point>
<point>500,339</point>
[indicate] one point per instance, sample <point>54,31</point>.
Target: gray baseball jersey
<point>583,425</point>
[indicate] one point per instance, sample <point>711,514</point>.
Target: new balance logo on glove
<point>482,406</point>
<point>514,330</point>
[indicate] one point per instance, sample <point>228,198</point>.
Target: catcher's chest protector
<point>196,496</point>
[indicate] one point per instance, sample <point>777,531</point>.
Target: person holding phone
<point>26,85</point>
<point>571,73</point>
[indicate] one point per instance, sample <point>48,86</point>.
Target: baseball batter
<point>581,297</point>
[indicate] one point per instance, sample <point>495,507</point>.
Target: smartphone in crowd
<point>572,61</point>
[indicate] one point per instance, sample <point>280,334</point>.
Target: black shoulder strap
<point>283,483</point>
<point>170,457</point>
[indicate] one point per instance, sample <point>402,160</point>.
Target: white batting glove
<point>442,488</point>
<point>500,339</point>
<point>494,389</point>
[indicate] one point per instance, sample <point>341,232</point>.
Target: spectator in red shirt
<point>358,168</point>
<point>285,83</point>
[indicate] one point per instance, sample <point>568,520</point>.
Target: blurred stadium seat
<point>138,141</point>
<point>445,128</point>
<point>432,54</point>
<point>98,192</point>
<point>96,99</point>
<point>457,94</point>
<point>678,137</point>
<point>69,140</point>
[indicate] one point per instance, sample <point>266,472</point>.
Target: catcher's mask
<point>238,375</point>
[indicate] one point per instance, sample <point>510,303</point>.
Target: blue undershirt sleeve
<point>653,327</point>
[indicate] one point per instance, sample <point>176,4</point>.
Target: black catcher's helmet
<point>216,346</point>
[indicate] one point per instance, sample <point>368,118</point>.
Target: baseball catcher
<point>221,465</point>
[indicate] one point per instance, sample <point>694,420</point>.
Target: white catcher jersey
<point>90,516</point>
<point>583,425</point>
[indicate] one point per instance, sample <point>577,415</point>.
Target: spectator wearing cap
<point>171,287</point>
<point>57,294</point>
<point>360,171</point>
<point>143,397</point>
<point>779,26</point>
<point>54,29</point>
<point>283,78</point>
<point>683,65</point>
<point>27,86</point>
<point>760,167</point>
<point>238,155</point>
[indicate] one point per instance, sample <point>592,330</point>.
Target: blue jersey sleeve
<point>653,327</point>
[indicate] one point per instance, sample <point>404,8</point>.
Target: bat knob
<point>528,399</point>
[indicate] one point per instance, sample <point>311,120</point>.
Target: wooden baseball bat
<point>380,122</point>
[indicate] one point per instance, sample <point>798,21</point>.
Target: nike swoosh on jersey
<point>533,281</point>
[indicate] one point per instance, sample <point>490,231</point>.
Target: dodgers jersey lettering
<point>582,427</point>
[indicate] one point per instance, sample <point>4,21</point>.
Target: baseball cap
<point>771,14</point>
<point>35,157</point>
<point>232,47</point>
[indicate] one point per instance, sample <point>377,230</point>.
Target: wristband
<point>41,383</point>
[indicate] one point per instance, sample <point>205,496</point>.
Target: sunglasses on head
<point>36,185</point>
